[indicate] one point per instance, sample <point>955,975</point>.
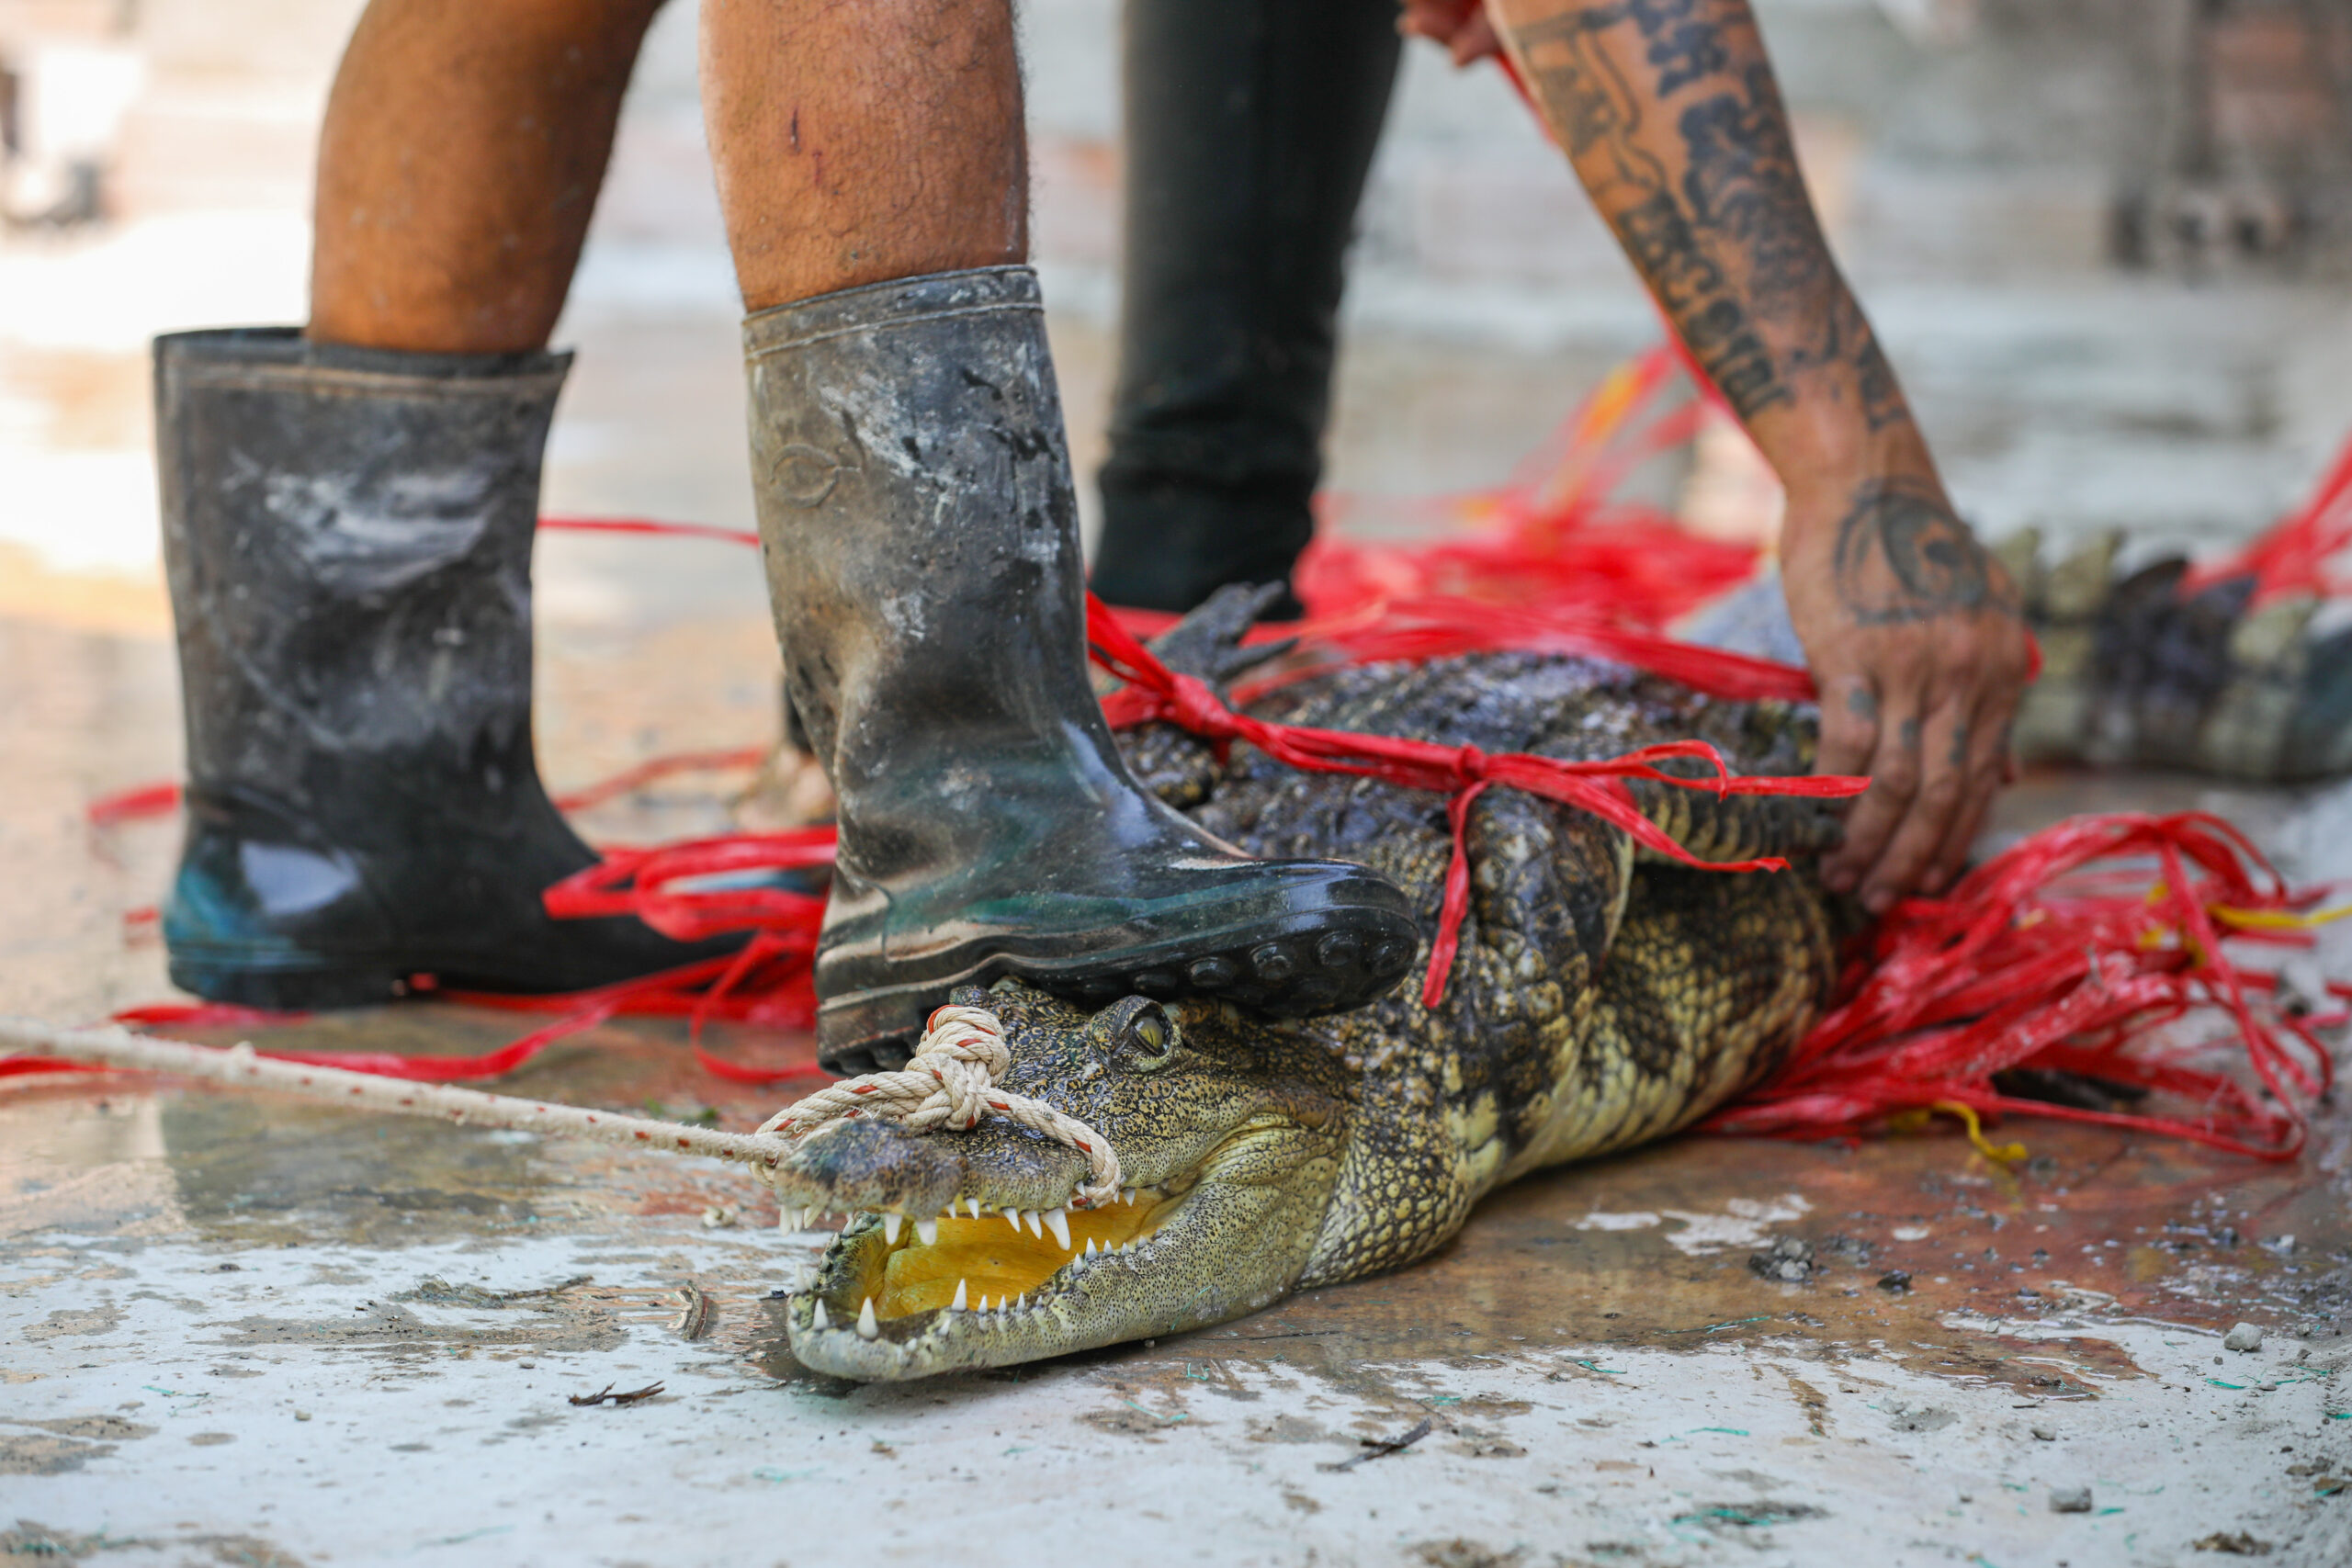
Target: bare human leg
<point>921,540</point>
<point>464,145</point>
<point>348,518</point>
<point>861,143</point>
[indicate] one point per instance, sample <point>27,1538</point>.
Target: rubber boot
<point>1250,125</point>
<point>348,537</point>
<point>922,541</point>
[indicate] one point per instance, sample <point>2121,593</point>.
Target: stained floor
<point>244,1330</point>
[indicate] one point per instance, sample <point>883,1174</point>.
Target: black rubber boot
<point>1250,125</point>
<point>922,543</point>
<point>348,536</point>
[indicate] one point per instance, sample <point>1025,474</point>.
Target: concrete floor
<point>242,1331</point>
<point>239,1330</point>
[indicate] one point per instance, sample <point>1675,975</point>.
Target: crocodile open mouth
<point>887,1274</point>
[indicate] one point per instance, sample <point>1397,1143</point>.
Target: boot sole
<point>310,982</point>
<point>1332,961</point>
<point>287,988</point>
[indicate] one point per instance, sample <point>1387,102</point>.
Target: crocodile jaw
<point>1198,1252</point>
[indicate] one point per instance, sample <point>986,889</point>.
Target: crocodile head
<point>964,1244</point>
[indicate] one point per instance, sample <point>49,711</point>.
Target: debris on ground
<point>2070,1499</point>
<point>606,1397</point>
<point>1895,1282</point>
<point>2044,1434</point>
<point>1909,1417</point>
<point>718,1217</point>
<point>2244,1337</point>
<point>1790,1259</point>
<point>696,1313</point>
<point>434,1290</point>
<point>1380,1447</point>
<point>2237,1543</point>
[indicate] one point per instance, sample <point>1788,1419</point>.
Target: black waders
<point>1251,126</point>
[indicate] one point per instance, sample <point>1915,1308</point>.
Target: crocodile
<point>1602,997</point>
<point>2146,665</point>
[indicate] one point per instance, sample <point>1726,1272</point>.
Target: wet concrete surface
<point>244,1329</point>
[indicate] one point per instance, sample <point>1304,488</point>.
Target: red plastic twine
<point>2294,555</point>
<point>1154,691</point>
<point>2036,959</point>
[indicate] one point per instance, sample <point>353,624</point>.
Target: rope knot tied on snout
<point>952,1082</point>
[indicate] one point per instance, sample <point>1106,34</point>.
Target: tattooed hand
<point>1913,633</point>
<point>1670,115</point>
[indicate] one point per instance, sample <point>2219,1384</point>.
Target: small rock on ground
<point>2244,1337</point>
<point>2070,1499</point>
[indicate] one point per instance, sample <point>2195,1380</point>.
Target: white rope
<point>470,1107</point>
<point>952,1082</point>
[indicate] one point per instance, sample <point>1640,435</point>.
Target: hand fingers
<point>1895,778</point>
<point>1940,763</point>
<point>1849,736</point>
<point>1476,40</point>
<point>1989,765</point>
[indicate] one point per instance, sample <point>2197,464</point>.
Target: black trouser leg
<point>1250,125</point>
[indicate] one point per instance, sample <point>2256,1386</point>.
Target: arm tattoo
<point>1734,247</point>
<point>1902,556</point>
<point>1597,111</point>
<point>1743,184</point>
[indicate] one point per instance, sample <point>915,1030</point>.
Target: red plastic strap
<point>2058,954</point>
<point>648,527</point>
<point>1447,939</point>
<point>2293,555</point>
<point>1154,691</point>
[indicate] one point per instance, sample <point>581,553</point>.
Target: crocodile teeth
<point>984,1304</point>
<point>1089,1247</point>
<point>958,1304</point>
<point>1128,1196</point>
<point>1030,1217</point>
<point>974,1203</point>
<point>823,1321</point>
<point>1013,1218</point>
<point>890,1224</point>
<point>867,1327</point>
<point>927,1232</point>
<point>1057,1221</point>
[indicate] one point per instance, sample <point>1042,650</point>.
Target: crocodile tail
<point>2159,668</point>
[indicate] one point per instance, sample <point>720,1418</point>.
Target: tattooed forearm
<point>1742,182</point>
<point>1902,556</point>
<point>1669,110</point>
<point>1691,291</point>
<point>1598,117</point>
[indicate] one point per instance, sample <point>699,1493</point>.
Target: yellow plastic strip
<point>2276,919</point>
<point>2004,1153</point>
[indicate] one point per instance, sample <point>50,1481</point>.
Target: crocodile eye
<point>1141,1036</point>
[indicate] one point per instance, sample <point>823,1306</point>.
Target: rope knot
<point>1192,704</point>
<point>952,1082</point>
<point>963,1050</point>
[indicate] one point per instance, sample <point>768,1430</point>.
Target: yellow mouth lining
<point>995,1259</point>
